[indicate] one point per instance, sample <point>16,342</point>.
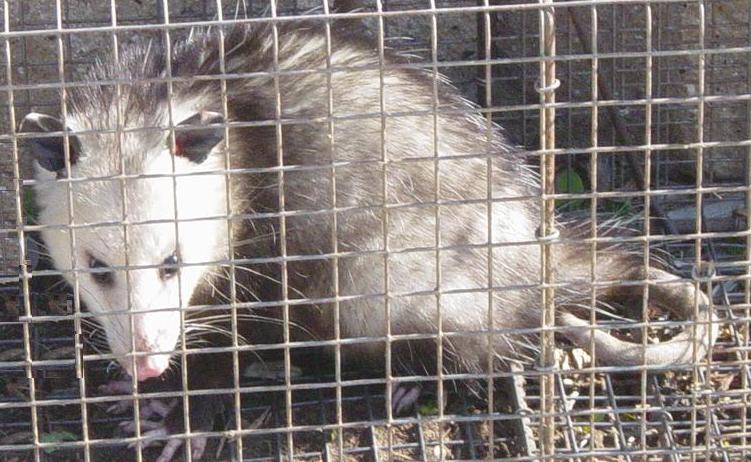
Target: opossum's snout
<point>141,312</point>
<point>155,334</point>
<point>149,367</point>
<point>152,318</point>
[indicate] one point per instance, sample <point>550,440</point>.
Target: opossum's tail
<point>666,291</point>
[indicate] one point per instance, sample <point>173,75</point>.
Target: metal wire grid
<point>364,433</point>
<point>676,120</point>
<point>670,434</point>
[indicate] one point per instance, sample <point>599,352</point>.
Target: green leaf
<point>430,408</point>
<point>618,208</point>
<point>56,437</point>
<point>567,181</point>
<point>29,205</point>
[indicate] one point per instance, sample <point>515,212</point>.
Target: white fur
<point>153,302</point>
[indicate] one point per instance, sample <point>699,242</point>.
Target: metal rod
<point>622,135</point>
<point>547,86</point>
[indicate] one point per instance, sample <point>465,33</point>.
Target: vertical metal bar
<point>238,446</point>
<point>277,436</point>
<point>437,210</point>
<point>520,407</point>
<point>334,234</point>
<point>124,214</point>
<point>483,32</point>
<point>167,42</point>
<point>321,405</point>
<point>662,117</point>
<point>386,241</point>
<point>161,14</point>
<point>745,328</point>
<point>489,191</point>
<point>547,86</point>
<point>613,67</point>
<point>282,228</point>
<point>647,184</point>
<point>525,75</point>
<point>593,181</point>
<point>569,422</point>
<point>371,430</point>
<point>80,370</point>
<point>79,363</point>
<point>21,235</point>
<point>698,229</point>
<point>422,447</point>
<point>621,133</point>
<point>384,192</point>
<point>374,444</point>
<point>77,328</point>
<point>713,428</point>
<point>620,436</point>
<point>667,436</point>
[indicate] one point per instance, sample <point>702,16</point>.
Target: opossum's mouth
<point>146,366</point>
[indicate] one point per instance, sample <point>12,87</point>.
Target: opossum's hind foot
<point>404,397</point>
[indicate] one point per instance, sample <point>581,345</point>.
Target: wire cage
<point>636,112</point>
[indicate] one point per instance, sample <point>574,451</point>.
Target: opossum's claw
<point>156,407</point>
<point>149,436</point>
<point>120,407</point>
<point>197,444</point>
<point>161,428</point>
<point>148,408</point>
<point>117,387</point>
<point>147,425</point>
<point>404,398</point>
<point>169,451</point>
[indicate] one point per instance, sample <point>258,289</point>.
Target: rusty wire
<point>552,418</point>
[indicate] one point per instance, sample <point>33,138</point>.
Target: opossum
<point>341,180</point>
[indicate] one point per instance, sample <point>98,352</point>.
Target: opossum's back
<point>395,138</point>
<point>378,141</point>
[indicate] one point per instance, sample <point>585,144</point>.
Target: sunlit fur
<point>393,157</point>
<point>106,199</point>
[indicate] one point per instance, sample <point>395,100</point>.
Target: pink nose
<point>148,367</point>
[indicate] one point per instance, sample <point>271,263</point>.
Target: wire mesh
<point>651,126</point>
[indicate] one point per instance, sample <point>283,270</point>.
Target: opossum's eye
<point>170,269</point>
<point>105,278</point>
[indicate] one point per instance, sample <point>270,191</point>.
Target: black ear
<point>49,151</point>
<point>195,138</point>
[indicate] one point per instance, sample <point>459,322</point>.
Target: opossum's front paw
<point>404,397</point>
<point>148,407</point>
<point>168,421</point>
<point>118,387</point>
<point>149,410</point>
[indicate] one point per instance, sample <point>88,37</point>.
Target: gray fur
<point>405,218</point>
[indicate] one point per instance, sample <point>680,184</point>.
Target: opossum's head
<point>138,222</point>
